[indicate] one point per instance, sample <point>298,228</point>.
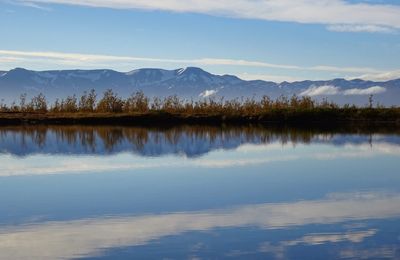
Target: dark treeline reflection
<point>190,141</point>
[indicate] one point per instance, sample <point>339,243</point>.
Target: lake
<point>82,192</point>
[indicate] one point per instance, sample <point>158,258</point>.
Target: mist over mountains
<point>189,83</point>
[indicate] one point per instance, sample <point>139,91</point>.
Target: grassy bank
<point>299,117</point>
<point>141,110</point>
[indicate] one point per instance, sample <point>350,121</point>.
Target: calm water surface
<point>198,193</point>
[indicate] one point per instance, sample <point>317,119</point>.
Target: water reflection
<point>246,155</point>
<point>185,140</point>
<point>198,192</point>
<point>89,237</point>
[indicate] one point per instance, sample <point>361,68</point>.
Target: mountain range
<point>190,82</point>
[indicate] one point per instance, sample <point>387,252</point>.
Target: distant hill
<point>189,83</point>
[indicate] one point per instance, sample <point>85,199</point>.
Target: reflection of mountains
<point>185,140</point>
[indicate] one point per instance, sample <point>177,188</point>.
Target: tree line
<point>111,102</point>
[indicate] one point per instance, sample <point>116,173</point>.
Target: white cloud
<point>211,61</point>
<point>360,28</point>
<point>320,91</point>
<point>326,12</point>
<point>268,77</point>
<point>50,59</point>
<point>333,90</point>
<point>89,237</point>
<point>208,93</point>
<point>344,69</point>
<point>9,59</point>
<point>33,5</point>
<point>389,75</point>
<point>368,91</point>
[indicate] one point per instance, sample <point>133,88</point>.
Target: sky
<point>278,40</point>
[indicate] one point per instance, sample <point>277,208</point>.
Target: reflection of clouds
<point>375,148</point>
<point>385,252</point>
<point>215,163</point>
<point>44,165</point>
<point>361,150</point>
<point>245,155</point>
<point>67,239</point>
<point>316,239</point>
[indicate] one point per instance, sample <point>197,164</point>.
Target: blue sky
<point>266,39</point>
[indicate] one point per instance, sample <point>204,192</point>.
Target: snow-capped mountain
<point>188,82</point>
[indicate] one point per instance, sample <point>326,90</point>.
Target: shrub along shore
<point>141,110</point>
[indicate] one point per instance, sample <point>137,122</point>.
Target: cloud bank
<point>389,75</point>
<point>208,93</point>
<point>333,90</point>
<point>368,91</point>
<point>320,91</point>
<point>360,28</point>
<point>356,17</point>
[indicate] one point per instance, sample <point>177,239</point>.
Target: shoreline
<point>364,116</point>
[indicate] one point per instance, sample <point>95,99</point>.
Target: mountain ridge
<point>189,82</point>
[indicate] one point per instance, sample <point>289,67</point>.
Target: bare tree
<point>22,102</point>
<point>39,103</point>
<point>110,102</point>
<point>87,102</point>
<point>137,102</point>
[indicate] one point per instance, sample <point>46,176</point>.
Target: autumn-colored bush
<point>111,102</point>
